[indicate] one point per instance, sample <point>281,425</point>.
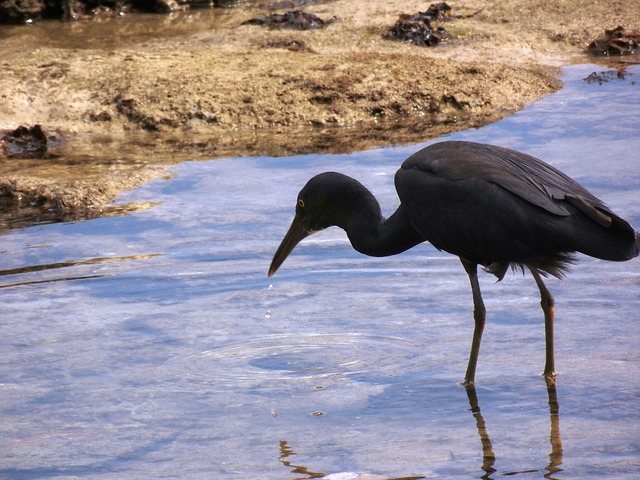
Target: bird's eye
<point>301,203</point>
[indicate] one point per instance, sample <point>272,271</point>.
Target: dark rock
<point>161,6</point>
<point>616,41</point>
<point>439,11</point>
<point>25,11</point>
<point>20,11</point>
<point>294,19</point>
<point>24,142</point>
<point>291,44</point>
<point>417,28</point>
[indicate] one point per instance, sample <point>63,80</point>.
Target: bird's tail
<point>622,246</point>
<point>618,242</point>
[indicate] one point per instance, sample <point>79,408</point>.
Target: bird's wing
<point>521,174</point>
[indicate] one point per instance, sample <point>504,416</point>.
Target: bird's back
<point>492,204</point>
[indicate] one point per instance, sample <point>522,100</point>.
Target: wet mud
<point>27,200</point>
<point>127,95</point>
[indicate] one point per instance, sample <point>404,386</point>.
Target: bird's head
<point>324,201</point>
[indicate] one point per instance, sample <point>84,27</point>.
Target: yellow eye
<point>301,203</point>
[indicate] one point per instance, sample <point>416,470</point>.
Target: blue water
<point>154,345</point>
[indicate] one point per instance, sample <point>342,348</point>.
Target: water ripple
<point>295,358</point>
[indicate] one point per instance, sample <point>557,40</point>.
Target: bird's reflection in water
<point>555,457</point>
<point>285,452</point>
<point>488,455</point>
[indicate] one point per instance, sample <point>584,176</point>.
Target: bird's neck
<point>372,234</point>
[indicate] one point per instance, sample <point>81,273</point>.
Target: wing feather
<point>528,177</point>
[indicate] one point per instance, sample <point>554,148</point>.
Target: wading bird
<point>489,205</point>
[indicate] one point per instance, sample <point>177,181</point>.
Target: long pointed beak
<point>296,233</point>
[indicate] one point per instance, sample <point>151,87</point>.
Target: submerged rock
<point>608,75</point>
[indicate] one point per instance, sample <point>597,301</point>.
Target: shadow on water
<point>90,469</point>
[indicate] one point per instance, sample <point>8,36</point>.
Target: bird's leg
<point>479,315</point>
<point>547,302</point>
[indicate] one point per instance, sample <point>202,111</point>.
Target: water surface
<point>154,346</point>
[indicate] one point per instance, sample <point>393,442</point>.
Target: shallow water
<point>153,345</point>
<point>114,31</point>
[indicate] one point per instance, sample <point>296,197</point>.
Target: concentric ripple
<point>288,358</point>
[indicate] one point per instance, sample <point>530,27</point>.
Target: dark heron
<point>489,205</point>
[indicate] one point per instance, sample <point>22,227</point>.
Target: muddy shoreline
<point>159,92</point>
